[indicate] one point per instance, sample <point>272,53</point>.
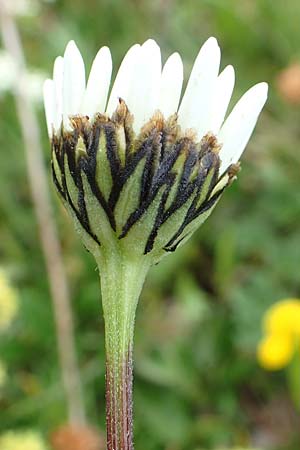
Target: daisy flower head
<point>139,163</point>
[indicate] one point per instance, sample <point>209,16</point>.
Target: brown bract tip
<point>210,142</point>
<point>233,170</point>
<point>122,115</point>
<point>80,123</point>
<point>190,134</point>
<point>157,123</point>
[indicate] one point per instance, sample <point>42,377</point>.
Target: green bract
<point>144,194</point>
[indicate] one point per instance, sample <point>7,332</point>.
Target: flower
<point>8,72</point>
<point>274,352</point>
<point>8,302</point>
<point>282,335</point>
<point>22,440</point>
<point>32,84</point>
<point>283,318</point>
<point>141,170</point>
<point>31,81</point>
<point>22,8</point>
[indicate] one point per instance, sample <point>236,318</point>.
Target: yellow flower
<point>275,351</point>
<point>283,318</point>
<point>22,440</point>
<point>3,374</point>
<point>281,324</point>
<point>8,302</point>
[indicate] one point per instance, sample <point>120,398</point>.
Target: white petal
<point>49,104</point>
<point>142,98</point>
<point>73,83</point>
<point>58,72</point>
<point>95,96</point>
<point>171,85</point>
<point>222,96</point>
<point>194,111</point>
<point>123,79</point>
<point>239,125</point>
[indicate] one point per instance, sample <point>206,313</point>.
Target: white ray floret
<point>48,92</point>
<point>95,97</point>
<point>146,87</point>
<point>194,111</point>
<point>73,82</point>
<point>142,98</point>
<point>171,85</point>
<point>238,127</point>
<point>58,72</point>
<point>221,98</point>
<point>124,79</point>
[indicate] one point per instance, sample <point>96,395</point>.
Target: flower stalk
<point>121,284</point>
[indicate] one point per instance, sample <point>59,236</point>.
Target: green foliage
<point>197,382</point>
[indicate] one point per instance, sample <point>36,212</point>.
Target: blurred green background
<point>197,382</point>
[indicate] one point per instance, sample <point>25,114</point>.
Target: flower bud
<point>140,170</point>
<point>145,194</point>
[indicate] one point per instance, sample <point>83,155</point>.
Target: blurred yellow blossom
<point>22,440</point>
<point>275,351</point>
<point>283,318</point>
<point>3,373</point>
<point>8,302</point>
<point>282,335</point>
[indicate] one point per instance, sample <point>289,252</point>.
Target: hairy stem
<point>121,283</point>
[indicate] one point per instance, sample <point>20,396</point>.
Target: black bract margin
<point>159,144</point>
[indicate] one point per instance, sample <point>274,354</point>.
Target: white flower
<point>147,87</point>
<point>8,72</point>
<point>30,81</point>
<point>23,8</point>
<point>139,161</point>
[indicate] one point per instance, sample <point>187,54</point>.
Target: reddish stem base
<point>119,403</point>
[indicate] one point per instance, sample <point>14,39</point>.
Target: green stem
<point>293,376</point>
<point>122,280</point>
